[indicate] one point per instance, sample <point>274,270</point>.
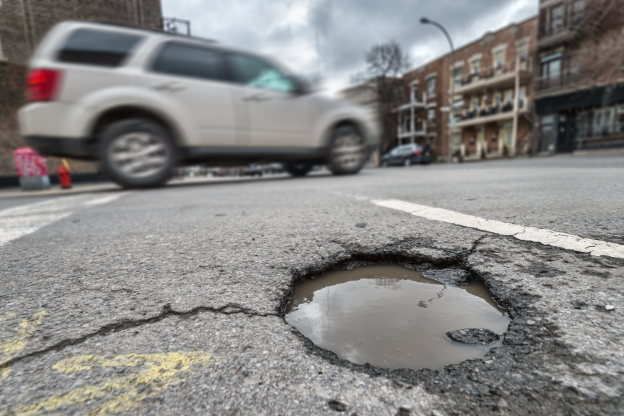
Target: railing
<point>489,73</point>
<point>562,80</point>
<point>485,112</point>
<point>569,23</point>
<point>419,128</point>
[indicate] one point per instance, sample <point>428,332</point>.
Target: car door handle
<point>168,86</point>
<point>256,97</point>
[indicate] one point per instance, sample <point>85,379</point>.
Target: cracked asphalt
<point>170,301</point>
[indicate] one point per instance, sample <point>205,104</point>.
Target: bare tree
<point>385,65</point>
<point>600,45</point>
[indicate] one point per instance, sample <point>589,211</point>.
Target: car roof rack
<point>144,29</point>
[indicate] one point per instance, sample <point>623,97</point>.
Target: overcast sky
<point>342,30</point>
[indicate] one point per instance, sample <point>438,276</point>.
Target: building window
<point>457,106</point>
<point>475,66</point>
<point>499,60</point>
<point>414,92</point>
<point>457,73</point>
<point>522,98</point>
<point>551,69</point>
<point>578,9</point>
<point>474,103</point>
<point>498,98</point>
<point>431,86</point>
<point>431,116</point>
<point>523,55</point>
<point>509,95</point>
<point>556,18</point>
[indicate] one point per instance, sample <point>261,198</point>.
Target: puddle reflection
<point>392,317</point>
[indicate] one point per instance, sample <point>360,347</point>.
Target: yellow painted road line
<point>158,373</point>
<point>10,348</point>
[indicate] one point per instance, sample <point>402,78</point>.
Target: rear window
<point>98,47</point>
<point>189,61</point>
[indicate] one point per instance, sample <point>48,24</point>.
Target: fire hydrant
<point>64,173</point>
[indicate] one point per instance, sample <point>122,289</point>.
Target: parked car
<point>273,168</point>
<point>252,170</point>
<point>143,102</point>
<point>407,155</point>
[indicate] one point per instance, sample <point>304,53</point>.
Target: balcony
<point>405,131</point>
<point>490,78</point>
<point>486,115</point>
<point>562,31</point>
<point>548,85</point>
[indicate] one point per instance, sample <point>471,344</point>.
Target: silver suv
<point>142,102</point>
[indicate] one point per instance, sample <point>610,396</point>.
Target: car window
<point>254,72</point>
<point>177,58</point>
<point>97,47</point>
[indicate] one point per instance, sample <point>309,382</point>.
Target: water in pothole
<point>393,317</point>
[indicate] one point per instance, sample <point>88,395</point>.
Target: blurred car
<point>252,170</point>
<point>143,102</point>
<point>273,168</point>
<point>407,155</point>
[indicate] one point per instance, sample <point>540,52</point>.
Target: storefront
<point>586,120</point>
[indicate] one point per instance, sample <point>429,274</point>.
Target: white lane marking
<point>537,235</point>
<point>19,221</point>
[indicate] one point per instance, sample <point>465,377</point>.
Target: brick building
<point>580,76</point>
<point>493,83</point>
<point>22,25</point>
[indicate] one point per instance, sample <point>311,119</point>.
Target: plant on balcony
<point>483,112</point>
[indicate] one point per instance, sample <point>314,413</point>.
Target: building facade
<point>23,23</point>
<point>580,76</point>
<point>491,112</point>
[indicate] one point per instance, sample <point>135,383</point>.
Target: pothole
<point>392,317</point>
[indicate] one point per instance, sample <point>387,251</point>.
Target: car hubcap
<point>348,151</point>
<point>138,154</point>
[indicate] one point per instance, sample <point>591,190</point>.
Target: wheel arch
<point>342,122</point>
<point>114,114</point>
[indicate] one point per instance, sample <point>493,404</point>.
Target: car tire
<point>137,153</point>
<point>298,169</point>
<point>347,151</point>
<point>407,162</point>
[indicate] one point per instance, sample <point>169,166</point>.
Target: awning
<point>593,97</point>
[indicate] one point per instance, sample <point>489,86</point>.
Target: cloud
<point>342,30</point>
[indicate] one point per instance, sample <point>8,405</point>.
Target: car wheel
<point>407,162</point>
<point>298,169</point>
<point>137,153</point>
<point>347,152</point>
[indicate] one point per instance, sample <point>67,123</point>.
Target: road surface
<point>170,301</point>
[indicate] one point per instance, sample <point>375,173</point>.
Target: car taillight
<point>43,84</point>
<point>418,152</point>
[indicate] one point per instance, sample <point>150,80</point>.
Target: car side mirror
<point>301,86</point>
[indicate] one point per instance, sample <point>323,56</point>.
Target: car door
<point>396,157</point>
<point>189,79</point>
<point>274,115</point>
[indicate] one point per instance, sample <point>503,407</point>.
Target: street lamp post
<point>426,21</point>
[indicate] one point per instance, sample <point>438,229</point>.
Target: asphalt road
<point>170,301</point>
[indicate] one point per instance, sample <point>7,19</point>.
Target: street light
<point>426,21</point>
